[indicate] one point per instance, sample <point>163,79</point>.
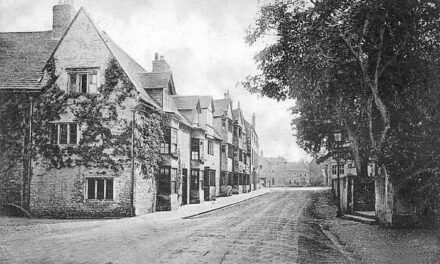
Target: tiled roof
<point>186,102</point>
<point>151,80</point>
<point>23,56</point>
<point>221,107</point>
<point>205,101</point>
<point>133,70</point>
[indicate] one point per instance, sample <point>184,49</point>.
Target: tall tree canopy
<point>367,67</point>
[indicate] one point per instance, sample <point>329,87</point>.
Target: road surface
<point>279,227</point>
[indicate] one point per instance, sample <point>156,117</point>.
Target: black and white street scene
<point>220,131</point>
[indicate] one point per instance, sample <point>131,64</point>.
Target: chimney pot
<point>160,65</point>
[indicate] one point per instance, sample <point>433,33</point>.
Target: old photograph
<point>220,131</point>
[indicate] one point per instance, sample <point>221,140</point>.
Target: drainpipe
<point>29,172</point>
<point>132,164</point>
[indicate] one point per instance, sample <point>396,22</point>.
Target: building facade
<point>199,155</point>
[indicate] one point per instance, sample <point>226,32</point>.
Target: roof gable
<point>131,68</point>
<point>155,80</point>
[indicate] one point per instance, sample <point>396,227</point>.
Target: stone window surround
<point>89,72</point>
<point>96,178</point>
<point>58,137</point>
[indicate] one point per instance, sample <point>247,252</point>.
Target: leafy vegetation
<point>368,68</point>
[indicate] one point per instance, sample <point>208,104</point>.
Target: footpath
<point>364,243</point>
<point>11,226</point>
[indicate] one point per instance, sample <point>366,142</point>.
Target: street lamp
<point>338,138</point>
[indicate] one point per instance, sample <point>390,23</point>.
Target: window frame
<point>210,147</point>
<point>58,136</point>
<point>92,80</point>
<point>105,194</point>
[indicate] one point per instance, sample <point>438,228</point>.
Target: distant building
<point>278,172</point>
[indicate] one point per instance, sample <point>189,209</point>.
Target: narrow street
<point>278,227</point>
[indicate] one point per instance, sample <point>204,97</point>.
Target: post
<point>132,165</point>
<point>339,213</point>
<point>29,172</point>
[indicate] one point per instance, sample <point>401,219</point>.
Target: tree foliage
<point>365,67</point>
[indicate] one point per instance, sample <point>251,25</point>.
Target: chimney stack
<point>63,14</point>
<point>253,120</point>
<point>159,64</point>
<point>227,95</point>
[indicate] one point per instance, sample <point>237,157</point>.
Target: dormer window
<point>82,81</point>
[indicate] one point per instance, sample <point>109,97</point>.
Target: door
<point>206,183</point>
<point>184,186</point>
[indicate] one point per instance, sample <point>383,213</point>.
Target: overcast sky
<point>202,40</point>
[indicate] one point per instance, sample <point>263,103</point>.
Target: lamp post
<point>338,138</point>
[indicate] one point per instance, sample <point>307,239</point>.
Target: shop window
<point>99,189</point>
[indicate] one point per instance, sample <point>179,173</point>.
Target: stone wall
<point>63,193</point>
<point>11,184</point>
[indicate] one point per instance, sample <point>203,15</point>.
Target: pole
<point>29,174</point>
<point>339,213</point>
<point>132,165</point>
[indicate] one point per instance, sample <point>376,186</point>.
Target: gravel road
<point>279,227</point>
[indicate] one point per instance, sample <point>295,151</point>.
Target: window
<point>235,131</point>
<point>341,168</point>
<point>239,132</point>
<point>173,140</point>
<point>64,133</point>
<point>99,189</point>
<point>174,181</point>
<point>230,151</point>
<point>229,125</point>
<point>165,145</point>
<point>224,124</point>
<point>212,178</point>
<point>210,147</point>
<point>195,149</point>
<point>194,179</point>
<point>335,169</point>
<point>240,155</point>
<point>83,82</point>
<point>223,148</point>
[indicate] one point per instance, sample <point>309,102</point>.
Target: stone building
<point>278,172</point>
<point>81,54</point>
<point>223,127</point>
<point>193,152</point>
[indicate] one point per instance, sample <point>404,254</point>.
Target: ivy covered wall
<point>104,151</point>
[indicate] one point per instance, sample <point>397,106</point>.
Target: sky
<point>202,40</point>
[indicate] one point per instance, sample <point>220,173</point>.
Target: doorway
<point>184,186</point>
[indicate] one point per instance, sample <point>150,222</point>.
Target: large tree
<point>356,65</point>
